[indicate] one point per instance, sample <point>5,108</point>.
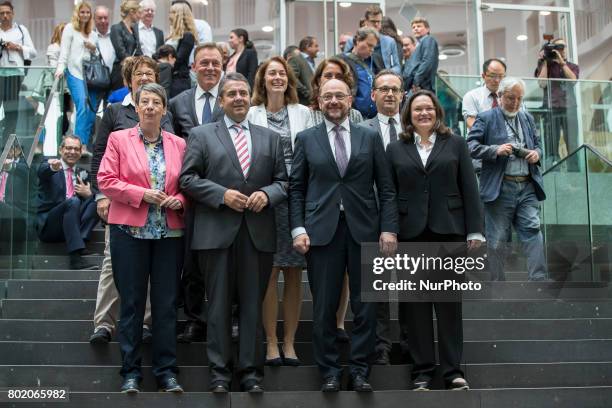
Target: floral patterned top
<point>156,226</point>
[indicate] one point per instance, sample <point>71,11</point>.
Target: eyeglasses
<point>328,97</point>
<point>72,149</point>
<point>493,76</point>
<point>139,74</point>
<point>386,89</point>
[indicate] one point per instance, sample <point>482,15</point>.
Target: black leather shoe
<point>360,384</point>
<point>147,336</point>
<point>170,384</point>
<point>219,387</point>
<point>421,384</point>
<point>193,332</point>
<point>130,386</point>
<point>382,358</point>
<point>252,387</point>
<point>100,336</point>
<point>331,384</point>
<point>458,384</point>
<point>78,263</point>
<point>342,336</point>
<point>274,362</point>
<point>292,362</point>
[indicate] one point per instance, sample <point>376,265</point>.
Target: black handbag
<point>96,73</point>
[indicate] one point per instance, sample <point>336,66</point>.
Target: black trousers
<point>135,262</point>
<point>72,221</point>
<point>9,99</point>
<point>193,284</point>
<point>417,319</point>
<point>326,267</point>
<point>244,269</point>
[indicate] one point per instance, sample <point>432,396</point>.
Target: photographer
<point>560,98</point>
<point>16,50</point>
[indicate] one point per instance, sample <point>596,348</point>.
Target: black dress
<point>181,80</point>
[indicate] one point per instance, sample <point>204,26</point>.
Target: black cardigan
<point>247,64</point>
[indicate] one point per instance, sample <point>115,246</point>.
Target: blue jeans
<point>85,112</point>
<point>516,205</point>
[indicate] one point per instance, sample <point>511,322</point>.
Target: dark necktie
<point>392,131</point>
<point>206,112</point>
<point>341,157</point>
<point>494,96</point>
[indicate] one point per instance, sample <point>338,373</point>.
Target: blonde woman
<point>77,44</point>
<point>124,36</point>
<point>275,106</point>
<point>183,37</point>
<point>54,49</point>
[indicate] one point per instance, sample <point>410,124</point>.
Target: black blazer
<point>211,166</point>
<point>443,195</point>
<point>183,51</point>
<point>247,64</point>
<point>18,187</point>
<point>159,37</point>
<point>117,117</point>
<point>52,189</point>
<point>126,44</point>
<point>184,115</point>
<point>316,187</point>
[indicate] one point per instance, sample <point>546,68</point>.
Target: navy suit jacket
<point>488,132</point>
<point>52,189</point>
<point>316,187</point>
<point>421,67</point>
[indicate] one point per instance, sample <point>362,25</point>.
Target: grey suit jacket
<point>303,74</point>
<point>421,68</point>
<point>374,125</point>
<point>211,166</point>
<point>184,114</point>
<point>488,132</point>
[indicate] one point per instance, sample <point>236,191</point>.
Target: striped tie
<point>242,150</point>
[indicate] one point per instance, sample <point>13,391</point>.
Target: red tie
<point>69,185</point>
<point>494,96</point>
<point>3,179</point>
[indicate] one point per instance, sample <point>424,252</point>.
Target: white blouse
<point>73,51</point>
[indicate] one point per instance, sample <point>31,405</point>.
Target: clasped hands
<point>237,201</point>
<point>162,199</point>
<point>506,150</point>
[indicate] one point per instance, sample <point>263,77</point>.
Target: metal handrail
<point>585,146</point>
<point>7,147</point>
<point>41,125</point>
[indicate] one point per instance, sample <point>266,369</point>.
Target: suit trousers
<point>107,299</point>
<point>417,319</point>
<point>71,221</point>
<point>135,263</point>
<point>192,285</point>
<point>326,267</point>
<point>241,267</point>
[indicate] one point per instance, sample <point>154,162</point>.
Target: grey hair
<point>148,3</point>
<point>508,83</point>
<point>233,76</point>
<point>364,32</point>
<point>69,136</point>
<point>154,88</point>
<point>101,7</point>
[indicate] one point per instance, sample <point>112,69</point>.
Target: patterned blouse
<point>156,226</point>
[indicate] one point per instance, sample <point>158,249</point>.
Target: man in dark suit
<point>332,209</point>
<point>387,93</point>
<point>511,184</point>
<point>420,70</point>
<point>66,209</point>
<point>14,196</point>
<point>235,174</point>
<point>151,38</point>
<point>191,108</point>
<point>303,65</point>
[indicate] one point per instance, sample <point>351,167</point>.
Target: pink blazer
<point>124,176</point>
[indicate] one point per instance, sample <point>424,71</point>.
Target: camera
<point>520,152</point>
<point>2,46</point>
<point>549,48</point>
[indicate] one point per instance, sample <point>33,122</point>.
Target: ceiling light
<point>345,4</point>
<point>521,37</point>
<point>442,57</point>
<point>545,13</point>
<point>267,29</point>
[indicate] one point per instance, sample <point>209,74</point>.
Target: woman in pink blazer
<point>140,174</point>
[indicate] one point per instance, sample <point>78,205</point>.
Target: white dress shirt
<point>345,133</point>
<point>477,101</point>
<point>106,49</point>
<point>148,42</point>
<point>383,121</point>
<point>73,51</point>
<point>200,100</point>
<point>21,36</point>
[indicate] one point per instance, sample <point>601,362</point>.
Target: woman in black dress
<point>244,58</point>
<point>183,37</point>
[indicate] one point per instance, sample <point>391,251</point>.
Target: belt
<point>518,179</point>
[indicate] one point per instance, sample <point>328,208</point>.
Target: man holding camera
<point>16,47</point>
<point>560,98</point>
<point>505,139</point>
